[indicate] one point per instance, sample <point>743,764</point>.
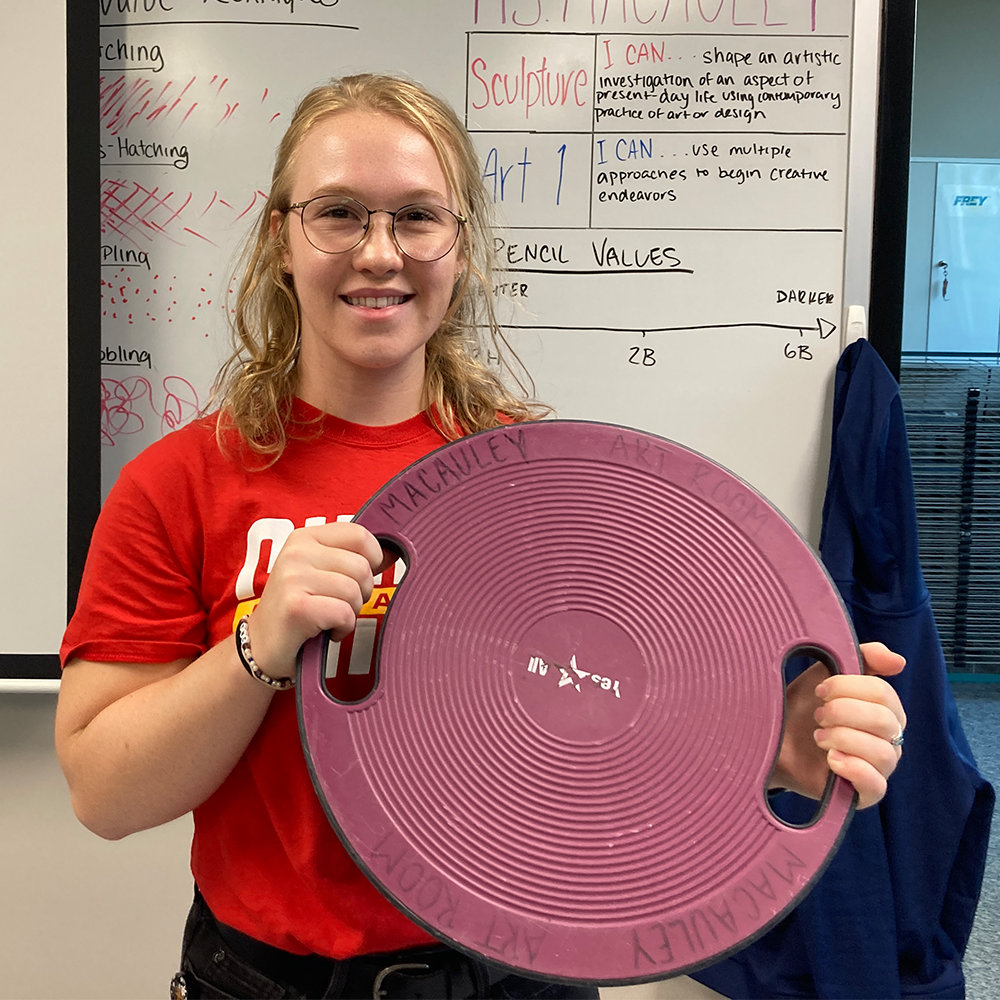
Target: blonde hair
<point>256,385</point>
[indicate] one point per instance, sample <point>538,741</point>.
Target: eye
<point>338,210</point>
<point>420,214</point>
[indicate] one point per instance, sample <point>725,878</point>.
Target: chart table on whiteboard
<point>593,142</point>
<point>650,126</point>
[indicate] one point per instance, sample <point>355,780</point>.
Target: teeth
<point>381,303</point>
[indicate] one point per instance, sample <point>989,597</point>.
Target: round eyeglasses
<point>335,225</point>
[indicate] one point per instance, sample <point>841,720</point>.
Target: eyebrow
<point>408,198</point>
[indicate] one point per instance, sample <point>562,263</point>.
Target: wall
<point>33,328</point>
<point>81,917</point>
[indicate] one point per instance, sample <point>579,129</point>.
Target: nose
<point>377,252</point>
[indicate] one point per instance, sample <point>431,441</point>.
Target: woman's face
<point>383,163</point>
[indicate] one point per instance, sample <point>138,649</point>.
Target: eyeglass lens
<point>423,232</point>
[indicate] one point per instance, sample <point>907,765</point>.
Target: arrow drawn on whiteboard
<point>824,327</point>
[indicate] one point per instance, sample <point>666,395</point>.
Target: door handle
<point>944,282</point>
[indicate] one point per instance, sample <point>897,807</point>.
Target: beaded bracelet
<point>246,658</point>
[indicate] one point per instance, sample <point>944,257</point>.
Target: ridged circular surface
<point>579,703</point>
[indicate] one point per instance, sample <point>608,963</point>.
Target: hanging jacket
<point>891,916</point>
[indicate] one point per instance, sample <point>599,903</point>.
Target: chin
<point>385,358</point>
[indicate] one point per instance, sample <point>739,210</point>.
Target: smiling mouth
<point>377,303</point>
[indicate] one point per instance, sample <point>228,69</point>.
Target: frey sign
<point>972,200</point>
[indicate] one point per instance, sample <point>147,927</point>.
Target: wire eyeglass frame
<point>461,220</point>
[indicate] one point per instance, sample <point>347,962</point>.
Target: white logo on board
<point>572,676</point>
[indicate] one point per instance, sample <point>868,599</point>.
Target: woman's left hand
<point>842,723</point>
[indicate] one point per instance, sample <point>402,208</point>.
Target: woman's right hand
<point>144,743</point>
<point>320,580</point>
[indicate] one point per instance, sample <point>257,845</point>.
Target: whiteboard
<point>686,189</point>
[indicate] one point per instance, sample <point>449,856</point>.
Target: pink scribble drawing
<point>141,213</point>
<point>118,401</point>
<point>230,108</point>
<point>153,115</point>
<point>117,100</point>
<point>122,400</point>
<point>256,195</point>
<point>180,403</point>
<point>137,213</point>
<point>123,102</point>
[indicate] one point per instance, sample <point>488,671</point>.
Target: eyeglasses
<point>335,225</point>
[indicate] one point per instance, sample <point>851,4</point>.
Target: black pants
<point>218,961</point>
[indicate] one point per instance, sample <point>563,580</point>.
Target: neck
<point>373,397</point>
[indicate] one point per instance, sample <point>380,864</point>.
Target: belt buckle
<point>377,992</point>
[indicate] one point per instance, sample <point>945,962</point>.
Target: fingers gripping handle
<point>312,669</point>
<point>826,828</point>
<point>313,654</point>
<point>312,658</point>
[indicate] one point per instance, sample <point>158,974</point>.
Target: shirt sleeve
<point>140,598</point>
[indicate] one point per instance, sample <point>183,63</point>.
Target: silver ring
<point>897,740</point>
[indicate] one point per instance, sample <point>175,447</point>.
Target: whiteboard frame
<point>860,216</point>
<point>892,172</point>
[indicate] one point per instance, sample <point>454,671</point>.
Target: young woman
<point>356,326</point>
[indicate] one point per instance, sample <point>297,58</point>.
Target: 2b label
<point>645,356</point>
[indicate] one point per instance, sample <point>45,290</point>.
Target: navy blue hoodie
<point>891,916</point>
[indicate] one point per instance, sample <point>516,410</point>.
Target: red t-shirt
<point>182,549</point>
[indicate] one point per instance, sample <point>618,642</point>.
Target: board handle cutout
<point>793,810</point>
<point>349,669</point>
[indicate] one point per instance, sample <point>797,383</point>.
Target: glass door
<point>964,293</point>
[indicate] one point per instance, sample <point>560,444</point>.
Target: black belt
<point>434,972</point>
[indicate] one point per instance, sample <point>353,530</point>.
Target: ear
<point>275,223</point>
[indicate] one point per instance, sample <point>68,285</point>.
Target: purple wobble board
<point>579,699</point>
